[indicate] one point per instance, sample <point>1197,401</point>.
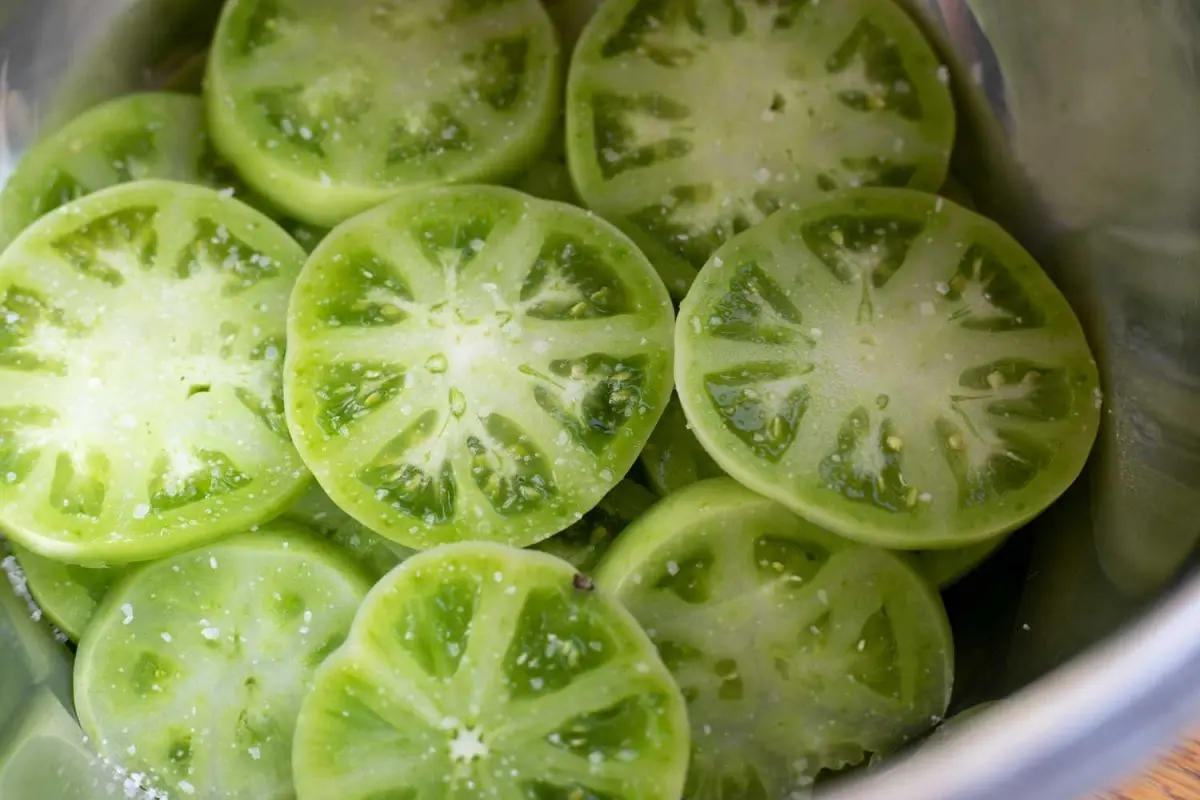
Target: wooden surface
<point>1175,777</point>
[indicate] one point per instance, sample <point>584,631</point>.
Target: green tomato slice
<point>673,458</point>
<point>472,363</point>
<point>194,667</point>
<point>329,109</point>
<point>70,593</point>
<point>32,655</point>
<point>142,333</point>
<point>891,366</point>
<point>374,553</point>
<point>944,568</point>
<point>690,122</point>
<point>475,670</point>
<point>154,135</point>
<point>797,651</point>
<point>583,544</point>
<point>67,593</point>
<point>44,755</point>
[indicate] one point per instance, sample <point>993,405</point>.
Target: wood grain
<point>1175,777</point>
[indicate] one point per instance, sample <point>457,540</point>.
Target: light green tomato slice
<point>154,135</point>
<point>673,458</point>
<point>583,544</point>
<point>688,123</point>
<point>329,109</point>
<point>944,568</point>
<point>44,755</point>
<point>142,333</point>
<point>194,667</point>
<point>376,554</point>
<point>31,655</point>
<point>67,593</point>
<point>475,670</point>
<point>469,363</point>
<point>891,366</point>
<point>70,593</point>
<point>797,651</point>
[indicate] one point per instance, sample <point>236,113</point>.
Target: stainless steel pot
<point>1081,133</point>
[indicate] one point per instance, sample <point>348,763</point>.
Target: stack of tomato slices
<point>490,398</point>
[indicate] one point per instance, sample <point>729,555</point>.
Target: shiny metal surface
<point>1081,133</point>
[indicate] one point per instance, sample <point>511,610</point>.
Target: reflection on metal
<point>1081,133</point>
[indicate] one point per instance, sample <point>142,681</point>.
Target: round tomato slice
<point>944,568</point>
<point>475,670</point>
<point>328,109</point>
<point>194,667</point>
<point>584,543</point>
<point>673,458</point>
<point>472,363</point>
<point>375,554</point>
<point>142,334</point>
<point>154,135</point>
<point>688,123</point>
<point>891,366</point>
<point>797,651</point>
<point>70,593</point>
<point>67,593</point>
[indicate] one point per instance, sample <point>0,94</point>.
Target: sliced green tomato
<point>797,651</point>
<point>673,458</point>
<point>548,177</point>
<point>690,122</point>
<point>142,334</point>
<point>475,670</point>
<point>583,544</point>
<point>891,366</point>
<point>472,363</point>
<point>67,593</point>
<point>329,109</point>
<point>157,135</point>
<point>194,667</point>
<point>944,568</point>
<point>374,553</point>
<point>44,755</point>
<point>30,655</point>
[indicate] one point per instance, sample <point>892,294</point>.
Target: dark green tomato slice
<point>157,135</point>
<point>32,655</point>
<point>688,123</point>
<point>194,667</point>
<point>548,177</point>
<point>329,109</point>
<point>798,651</point>
<point>673,458</point>
<point>944,568</point>
<point>958,191</point>
<point>67,593</point>
<point>189,77</point>
<point>470,363</point>
<point>375,554</point>
<point>43,754</point>
<point>476,670</point>
<point>891,366</point>
<point>142,333</point>
<point>585,543</point>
